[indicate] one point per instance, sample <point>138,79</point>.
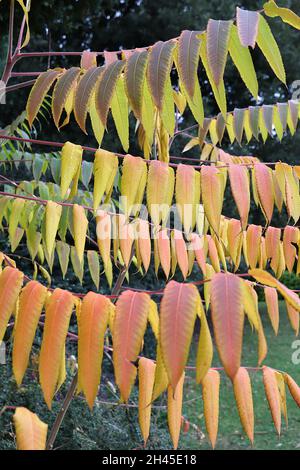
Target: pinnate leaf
<point>31,303</point>
<point>93,321</point>
<point>178,310</point>
<point>58,313</point>
<point>130,323</point>
<point>228,319</point>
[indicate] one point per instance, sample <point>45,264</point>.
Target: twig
<point>62,412</point>
<point>17,86</point>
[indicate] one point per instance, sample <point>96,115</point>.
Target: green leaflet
<point>16,210</point>
<point>97,125</point>
<point>77,266</point>
<point>63,252</point>
<point>120,111</point>
<point>195,104</point>
<point>94,267</point>
<point>17,238</point>
<point>268,45</point>
<point>168,113</point>
<point>243,61</point>
<point>148,113</point>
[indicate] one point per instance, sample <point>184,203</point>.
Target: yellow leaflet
<point>52,218</point>
<point>71,157</point>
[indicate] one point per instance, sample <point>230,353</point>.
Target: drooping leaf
<point>71,158</point>
<point>249,304</point>
<point>290,240</point>
<point>96,123</point>
<point>239,183</point>
<point>62,89</point>
<point>58,312</point>
<point>272,307</point>
<point>218,33</point>
<point>80,226</point>
<point>120,111</point>
<point>38,92</point>
<point>164,252</point>
<point>210,393</point>
<point>52,218</point>
<point>106,88</point>
<point>282,392</point>
<point>132,189</point>
<point>126,238</point>
<point>243,61</point>
<point>212,191</point>
<point>205,348</point>
<point>129,327</point>
<point>105,170</point>
<point>78,267</point>
<point>159,66</point>
<point>103,231</point>
<point>228,319</point>
<point>160,188</point>
<point>146,382</point>
<point>31,304</point>
<point>253,237</point>
<point>63,251</point>
<point>178,310</point>
<point>84,94</point>
<point>187,191</point>
<point>273,396</point>
<point>265,190</point>
<point>144,243</point>
<point>94,266</point>
<point>268,45</point>
<point>243,395</point>
<point>218,91</point>
<point>175,410</point>
<point>188,59</point>
<point>181,252</point>
<point>94,315</point>
<point>135,73</point>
